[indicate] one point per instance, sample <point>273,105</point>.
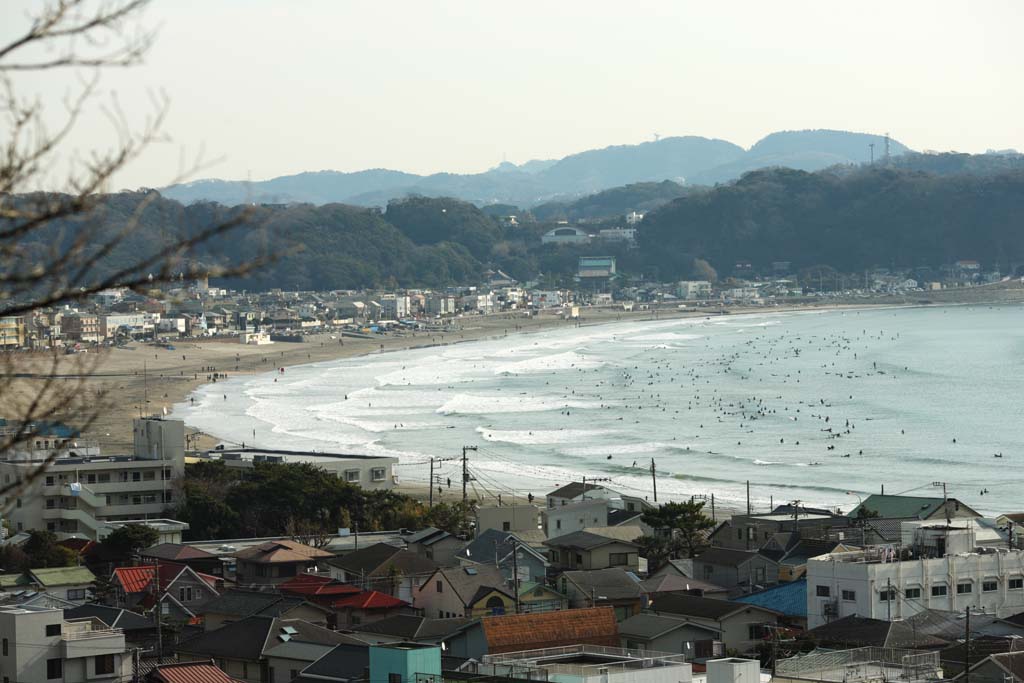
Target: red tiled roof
<point>138,579</point>
<point>370,600</point>
<point>513,632</point>
<point>190,672</point>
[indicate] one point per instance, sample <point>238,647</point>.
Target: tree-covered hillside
<point>876,216</point>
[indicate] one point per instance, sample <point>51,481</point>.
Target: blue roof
<point>790,598</point>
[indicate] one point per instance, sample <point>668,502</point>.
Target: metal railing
<point>615,659</point>
<point>837,665</point>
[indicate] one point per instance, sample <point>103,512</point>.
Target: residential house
<point>612,587</point>
<point>191,672</point>
<point>505,551</point>
<point>657,633</point>
<point>199,560</point>
<point>750,532</point>
<point>507,518</point>
<point>274,562</point>
<point>411,628</point>
<point>317,588</point>
<point>519,632</point>
<point>537,597</point>
<point>71,583</point>
<point>436,545</point>
<point>40,644</point>
<point>566,518</point>
<point>366,607</point>
<point>738,570</point>
<point>343,664</point>
<point>882,515</point>
<point>181,592</point>
<point>385,568</point>
<point>1004,667</point>
<point>791,552</point>
<point>234,605</point>
<point>243,649</point>
<point>139,631</point>
<point>465,592</point>
<point>584,550</point>
<point>741,626</point>
<point>575,491</point>
<point>789,599</point>
<point>673,583</point>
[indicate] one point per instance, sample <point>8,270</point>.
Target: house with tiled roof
<point>506,551</point>
<point>673,583</point>
<point>181,592</point>
<point>323,590</point>
<point>383,567</point>
<point>741,625</point>
<point>237,604</point>
<point>275,562</point>
<point>666,633</point>
<point>178,553</point>
<point>366,607</point>
<point>243,649</point>
<point>139,631</point>
<point>190,672</point>
<point>740,571</point>
<point>613,587</point>
<point>912,507</point>
<point>518,632</point>
<point>411,627</point>
<point>435,544</point>
<point>585,550</point>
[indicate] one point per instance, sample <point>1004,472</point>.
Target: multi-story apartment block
<point>394,307</point>
<point>80,495</point>
<point>39,644</point>
<point>81,327</point>
<point>12,331</point>
<point>941,569</point>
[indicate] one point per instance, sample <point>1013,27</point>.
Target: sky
<point>260,88</point>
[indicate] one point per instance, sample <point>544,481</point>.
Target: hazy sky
<point>277,87</point>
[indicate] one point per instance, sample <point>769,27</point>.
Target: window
<point>939,591</point>
<point>989,586</point>
<point>964,587</point>
<point>149,498</point>
<point>439,587</point>
<point>199,594</point>
<point>1015,584</point>
<point>167,473</point>
<point>90,479</point>
<point>757,631</point>
<point>618,559</point>
<point>76,594</point>
<point>558,522</point>
<point>378,474</point>
<point>123,476</point>
<point>136,476</point>
<point>912,593</point>
<point>51,503</point>
<point>5,647</point>
<point>51,526</point>
<point>293,674</point>
<point>104,664</point>
<point>181,594</point>
<point>19,503</point>
<point>148,475</point>
<point>887,594</point>
<point>823,591</point>
<point>850,596</point>
<point>103,478</point>
<point>54,669</point>
<point>50,480</point>
<point>394,678</point>
<point>739,534</point>
<point>351,476</point>
<point>506,526</point>
<point>579,559</point>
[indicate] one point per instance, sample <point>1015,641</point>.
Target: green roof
<point>903,507</point>
<point>61,576</point>
<point>12,580</point>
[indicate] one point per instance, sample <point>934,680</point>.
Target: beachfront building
<point>39,644</point>
<point>693,289</point>
<point>366,471</point>
<point>85,495</point>
<point>941,568</point>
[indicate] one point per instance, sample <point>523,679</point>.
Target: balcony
<point>90,637</point>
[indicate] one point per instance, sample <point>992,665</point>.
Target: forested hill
<point>875,216</point>
<point>690,160</point>
<point>850,219</point>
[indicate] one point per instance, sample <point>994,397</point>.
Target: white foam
<point>475,404</point>
<point>559,361</point>
<point>542,436</point>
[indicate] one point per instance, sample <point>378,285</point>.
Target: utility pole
<point>654,480</point>
<point>967,646</point>
<point>748,496</point>
<point>888,596</point>
<point>515,573</point>
<point>945,500</point>
<point>434,479</point>
<point>465,469</point>
<point>713,518</point>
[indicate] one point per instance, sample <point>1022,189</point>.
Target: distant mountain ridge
<point>690,160</point>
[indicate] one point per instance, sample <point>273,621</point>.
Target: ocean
<point>820,407</point>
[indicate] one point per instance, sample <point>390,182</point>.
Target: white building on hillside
<point>943,569</point>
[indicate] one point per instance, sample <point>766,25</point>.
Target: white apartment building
<point>942,569</point>
<point>693,289</point>
<point>79,494</point>
<point>394,307</point>
<point>440,304</point>
<point>366,471</point>
<point>37,644</point>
